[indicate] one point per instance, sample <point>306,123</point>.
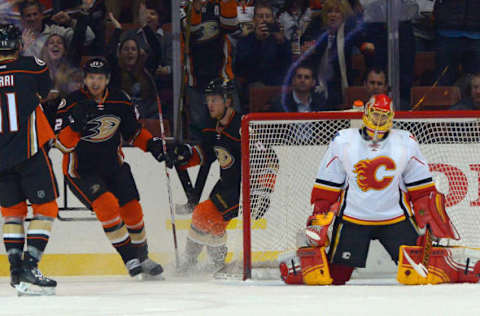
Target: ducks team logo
<point>102,128</point>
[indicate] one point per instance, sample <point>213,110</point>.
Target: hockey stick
<point>427,249</point>
<point>169,189</point>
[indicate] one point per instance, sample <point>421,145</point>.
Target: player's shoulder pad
<point>344,135</point>
<point>119,96</point>
<point>405,136</point>
<point>31,63</point>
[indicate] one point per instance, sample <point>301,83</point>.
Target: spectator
<point>264,56</point>
<point>375,16</point>
<point>375,82</point>
<point>458,38</point>
<point>472,100</point>
<point>334,65</point>
<point>62,72</point>
<point>209,54</point>
<point>296,17</point>
<point>63,60</point>
<point>36,32</point>
<point>97,13</point>
<point>302,97</point>
<point>129,73</point>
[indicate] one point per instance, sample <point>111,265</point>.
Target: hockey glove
<point>155,147</point>
<point>316,232</point>
<point>181,154</point>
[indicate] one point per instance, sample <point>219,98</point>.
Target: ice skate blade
<point>29,289</point>
<point>148,277</point>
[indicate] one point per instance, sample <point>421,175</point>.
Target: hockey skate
<point>184,209</point>
<point>32,282</point>
<point>190,257</point>
<point>216,259</point>
<point>134,267</point>
<point>151,270</point>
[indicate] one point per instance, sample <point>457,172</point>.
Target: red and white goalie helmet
<point>378,116</point>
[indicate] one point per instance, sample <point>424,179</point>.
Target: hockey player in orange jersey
<point>385,191</point>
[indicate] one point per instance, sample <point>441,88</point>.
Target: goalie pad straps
<point>430,209</point>
<point>443,267</point>
<point>309,266</point>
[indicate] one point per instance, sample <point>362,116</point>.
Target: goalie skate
<point>34,283</point>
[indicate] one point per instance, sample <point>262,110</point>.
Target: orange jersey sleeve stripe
<point>67,139</point>
<point>50,170</point>
<point>44,130</point>
<point>141,140</point>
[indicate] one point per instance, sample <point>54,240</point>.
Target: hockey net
<point>281,153</point>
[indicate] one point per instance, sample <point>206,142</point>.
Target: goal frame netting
<point>355,116</point>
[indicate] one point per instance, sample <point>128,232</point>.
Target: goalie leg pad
<point>291,270</point>
<point>308,266</point>
<point>442,268</point>
<point>314,265</point>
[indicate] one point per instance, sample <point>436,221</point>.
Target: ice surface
<point>122,296</point>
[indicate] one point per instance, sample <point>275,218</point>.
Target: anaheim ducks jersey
<point>372,179</point>
<point>210,51</point>
<point>99,148</point>
<point>24,129</point>
<point>222,143</point>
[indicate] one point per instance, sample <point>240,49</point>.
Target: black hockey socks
<point>13,238</point>
<point>38,234</point>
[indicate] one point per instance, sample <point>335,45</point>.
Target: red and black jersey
<point>24,127</point>
<point>223,144</point>
<point>98,149</point>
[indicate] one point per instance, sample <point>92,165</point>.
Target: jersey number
<point>11,112</point>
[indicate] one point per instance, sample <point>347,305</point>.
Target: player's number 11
<point>11,112</point>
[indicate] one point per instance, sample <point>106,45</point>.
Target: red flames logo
<point>366,171</point>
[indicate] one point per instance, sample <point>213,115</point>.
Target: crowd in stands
<point>325,53</point>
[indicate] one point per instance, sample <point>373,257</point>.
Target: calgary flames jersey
<point>24,129</point>
<point>372,180</point>
<point>99,148</point>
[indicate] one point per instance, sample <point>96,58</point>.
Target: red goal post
<point>293,142</point>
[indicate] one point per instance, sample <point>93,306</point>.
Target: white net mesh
<point>283,160</point>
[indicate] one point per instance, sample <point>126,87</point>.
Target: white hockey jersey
<point>372,179</point>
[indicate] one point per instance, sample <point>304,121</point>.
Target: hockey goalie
<point>374,183</point>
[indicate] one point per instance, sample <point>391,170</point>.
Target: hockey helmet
<point>10,37</point>
<point>378,116</point>
<point>97,65</point>
<point>221,87</point>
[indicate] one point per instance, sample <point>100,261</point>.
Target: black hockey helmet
<point>221,87</point>
<point>97,65</point>
<point>10,37</point>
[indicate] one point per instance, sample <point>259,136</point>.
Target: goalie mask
<point>378,116</point>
